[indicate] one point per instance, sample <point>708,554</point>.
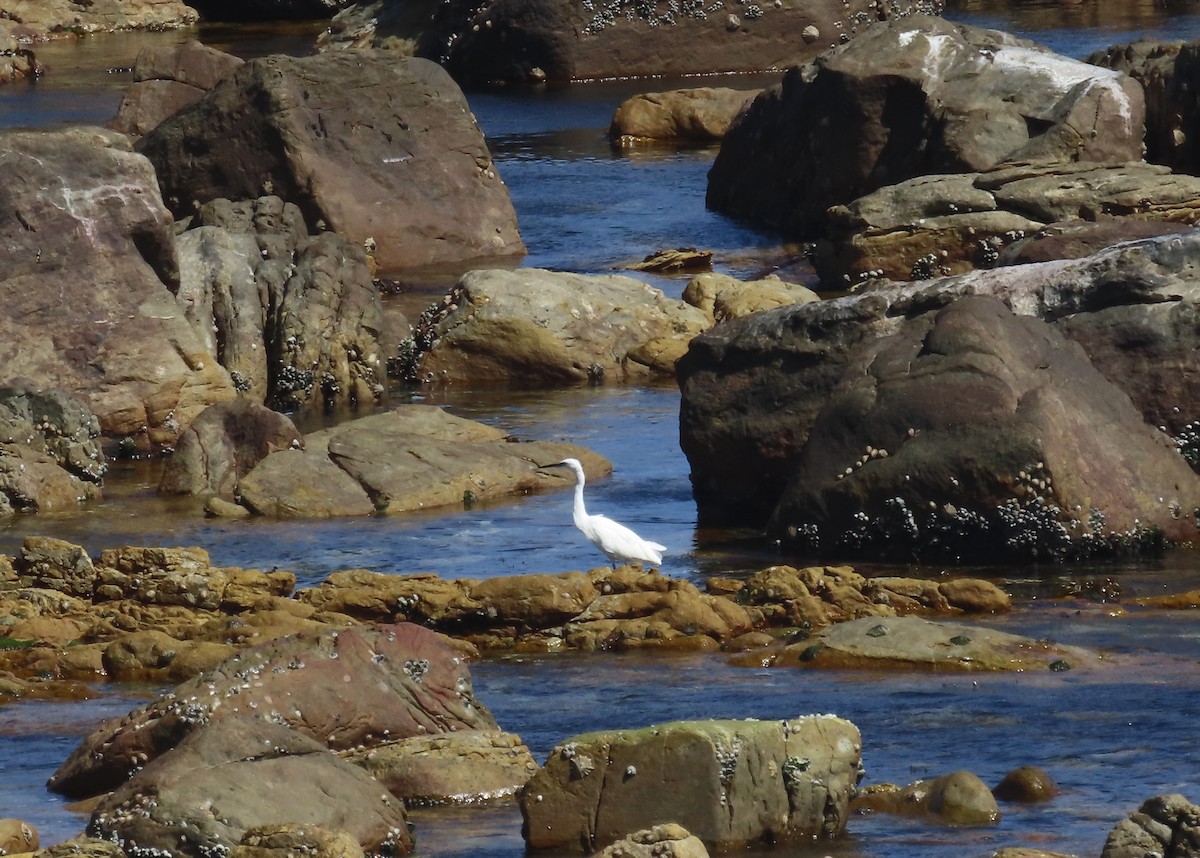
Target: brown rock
<point>699,115</point>
<point>17,836</point>
<point>401,167</point>
<point>1026,784</point>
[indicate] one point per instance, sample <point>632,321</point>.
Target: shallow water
<point>1111,738</point>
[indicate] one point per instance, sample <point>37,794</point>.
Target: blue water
<point>1111,738</point>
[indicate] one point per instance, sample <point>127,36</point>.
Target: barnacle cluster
<point>1028,525</point>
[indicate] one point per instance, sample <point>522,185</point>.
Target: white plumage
<point>614,539</point>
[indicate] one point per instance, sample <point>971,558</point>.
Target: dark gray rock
<point>560,40</point>
<point>755,388</point>
<point>909,98</point>
<point>401,168</point>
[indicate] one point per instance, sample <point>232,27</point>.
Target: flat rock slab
<point>911,642</point>
<point>377,147</point>
<point>407,681</point>
<point>413,457</point>
<point>948,224</point>
<point>231,776</point>
<point>730,783</point>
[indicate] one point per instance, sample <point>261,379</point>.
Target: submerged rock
<point>914,643</point>
<point>730,783</point>
<point>911,97</point>
<point>402,168</point>
<point>959,798</point>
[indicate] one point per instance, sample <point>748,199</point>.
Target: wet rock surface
<point>206,793</point>
<point>87,304</point>
<point>50,453</point>
<point>1079,297</point>
<point>549,40</point>
<point>958,798</point>
<point>532,327</point>
<point>745,781</point>
<point>915,96</point>
<point>418,188</point>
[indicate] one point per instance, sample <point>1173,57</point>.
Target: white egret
<point>616,540</point>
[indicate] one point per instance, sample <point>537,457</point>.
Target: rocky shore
<point>998,364</point>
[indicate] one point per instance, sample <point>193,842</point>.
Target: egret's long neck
<point>580,512</point>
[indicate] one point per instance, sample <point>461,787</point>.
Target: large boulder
<point>950,223</point>
<point>911,643</point>
<point>912,97</point>
<point>998,438</point>
<point>537,40</point>
<point>295,318</point>
<point>235,775</point>
<point>401,168</point>
<point>531,328</point>
<point>166,79</point>
<point>753,388</point>
<point>407,681</point>
<point>730,783</point>
<point>86,301</point>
